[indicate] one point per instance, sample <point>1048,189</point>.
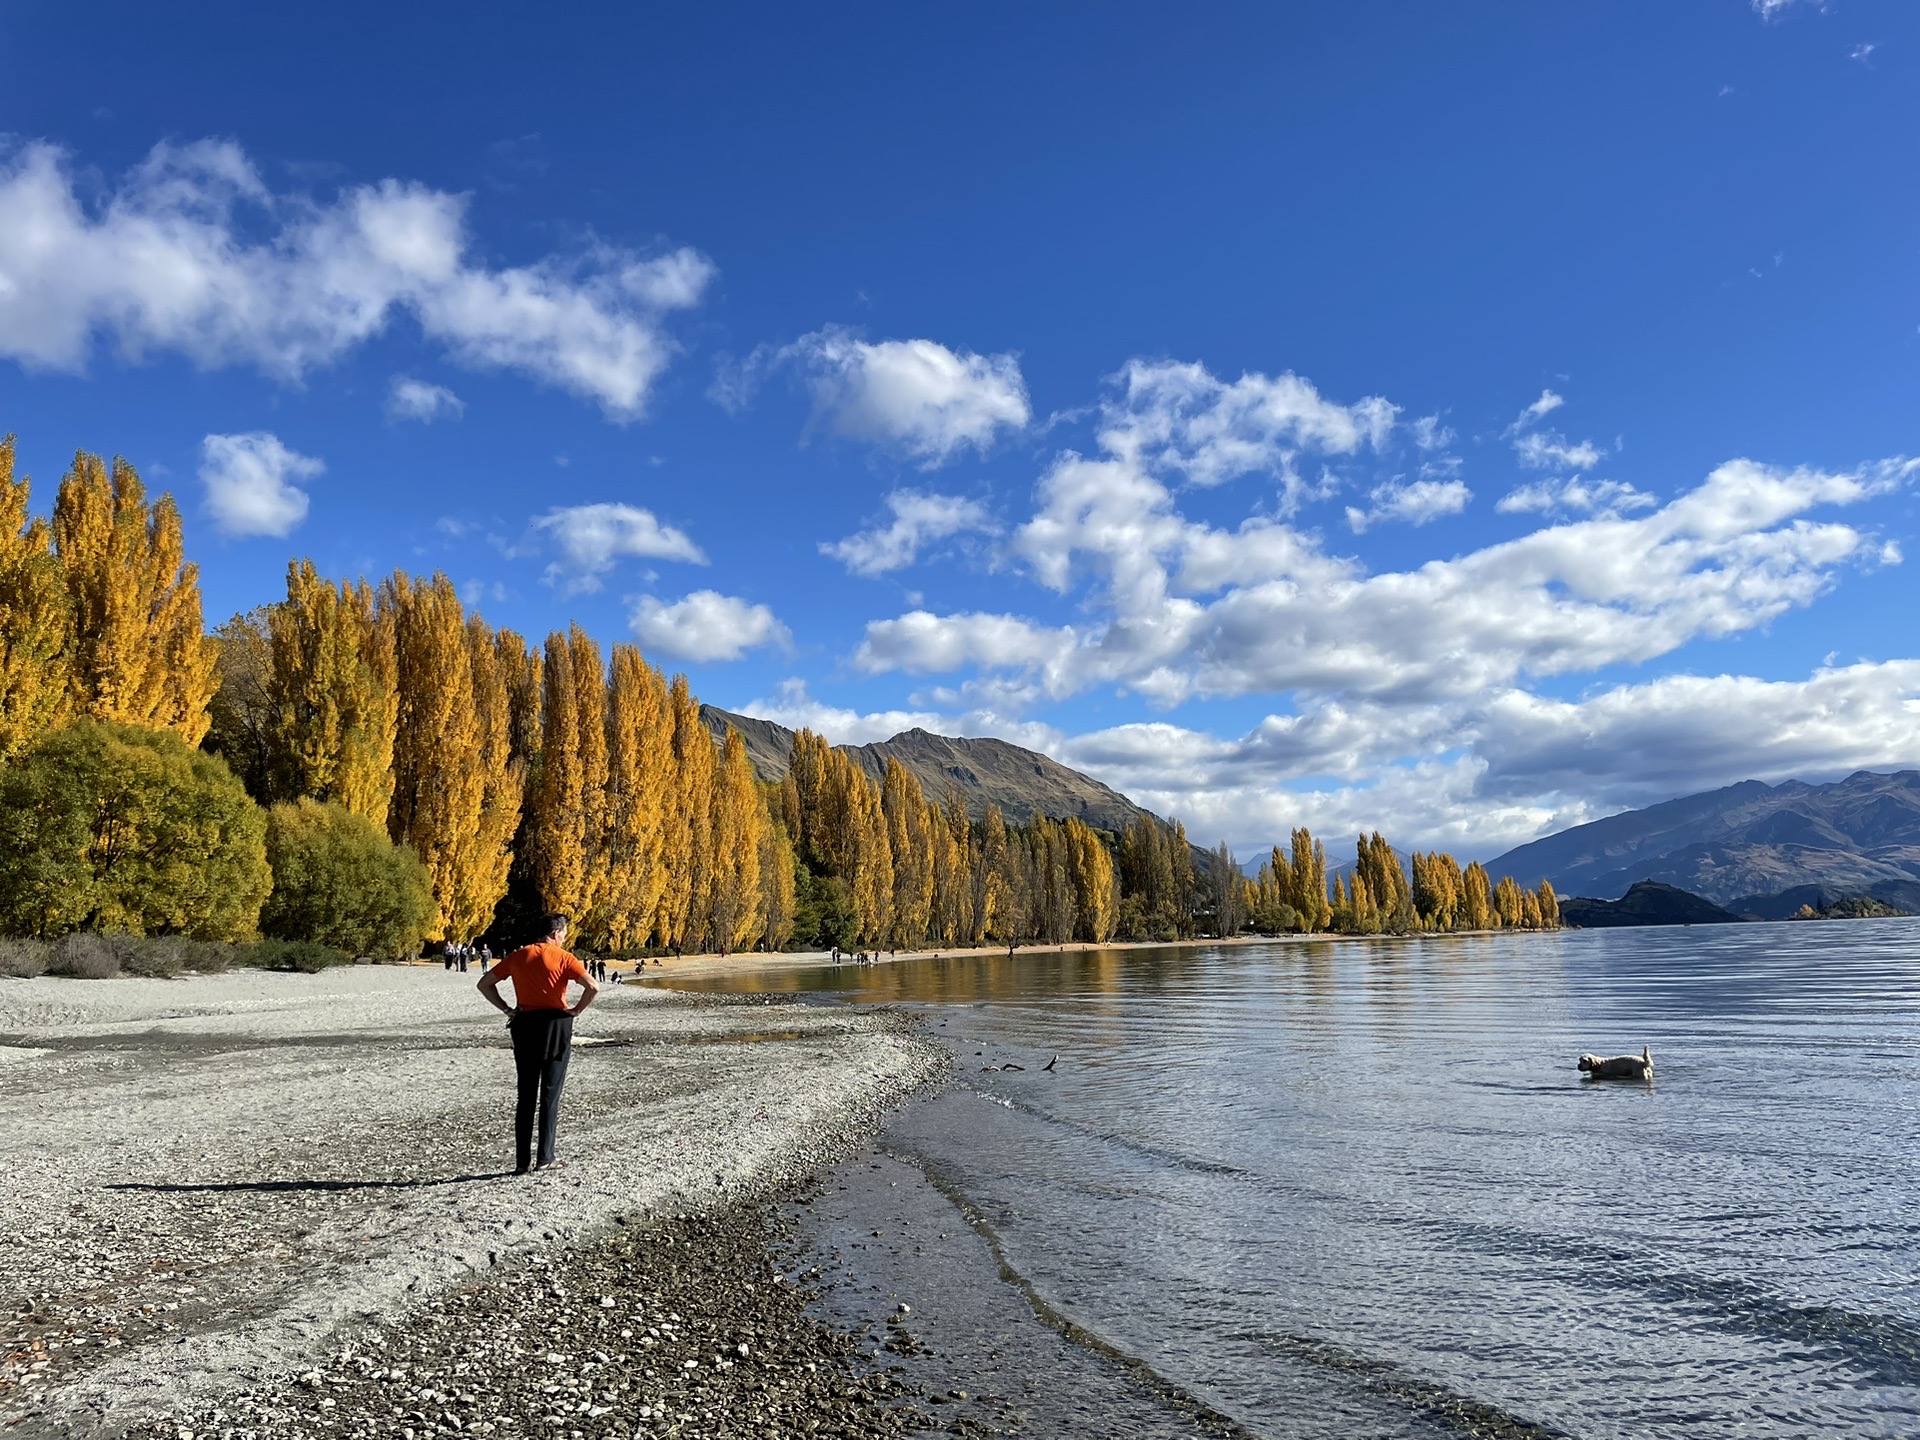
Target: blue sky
<point>1462,419</point>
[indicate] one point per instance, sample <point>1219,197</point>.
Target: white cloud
<point>1774,9</point>
<point>914,396</point>
<point>1721,559</point>
<point>193,254</point>
<point>591,538</point>
<point>706,626</point>
<point>1485,774</point>
<point>919,519</point>
<point>1537,411</point>
<point>1553,451</point>
<point>410,399</point>
<point>1575,495</point>
<point>1417,502</point>
<point>1178,417</point>
<point>249,483</point>
<point>1430,434</point>
<point>1863,52</point>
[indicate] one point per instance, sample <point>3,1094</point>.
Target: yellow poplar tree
<point>36,620</point>
<point>689,853</point>
<point>872,858</point>
<point>439,769</point>
<point>909,847</point>
<point>1476,905</point>
<point>778,900</point>
<point>568,833</point>
<point>639,765</point>
<point>481,881</point>
<point>333,714</point>
<point>739,824</point>
<point>141,654</point>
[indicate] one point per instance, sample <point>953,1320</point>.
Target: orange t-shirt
<point>540,974</point>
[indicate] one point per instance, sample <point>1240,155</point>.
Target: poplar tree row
<point>885,867</point>
<point>1379,898</point>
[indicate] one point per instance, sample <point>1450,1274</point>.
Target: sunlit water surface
<point>1283,1175</point>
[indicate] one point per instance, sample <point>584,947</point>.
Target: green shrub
<point>116,828</point>
<point>338,880</point>
<point>305,956</point>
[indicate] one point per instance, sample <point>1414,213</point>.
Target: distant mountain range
<point>1023,783</point>
<point>1755,849</point>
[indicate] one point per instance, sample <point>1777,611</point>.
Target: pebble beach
<point>277,1205</point>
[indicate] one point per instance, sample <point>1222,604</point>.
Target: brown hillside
<point>1023,783</point>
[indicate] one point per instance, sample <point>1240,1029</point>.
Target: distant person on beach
<point>541,1024</point>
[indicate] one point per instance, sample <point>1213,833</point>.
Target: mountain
<point>1647,903</point>
<point>1745,843</point>
<point>1023,783</point>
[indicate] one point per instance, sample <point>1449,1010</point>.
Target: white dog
<point>1619,1067</point>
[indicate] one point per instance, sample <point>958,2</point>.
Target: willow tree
<point>441,757</point>
<point>141,655</point>
<point>639,765</point>
<point>36,620</point>
<point>739,825</point>
<point>330,697</point>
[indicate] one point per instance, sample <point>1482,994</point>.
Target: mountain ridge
<point>1745,842</point>
<point>1022,782</point>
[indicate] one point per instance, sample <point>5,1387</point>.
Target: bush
<point>23,959</point>
<point>338,880</point>
<point>115,828</point>
<point>302,955</point>
<point>83,957</point>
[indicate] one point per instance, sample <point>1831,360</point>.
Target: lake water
<point>1340,1188</point>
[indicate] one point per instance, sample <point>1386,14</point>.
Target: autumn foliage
<point>463,778</point>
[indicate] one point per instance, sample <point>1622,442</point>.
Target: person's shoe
<point>550,1164</point>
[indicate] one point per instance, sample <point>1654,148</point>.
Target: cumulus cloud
<point>410,399</point>
<point>1485,774</point>
<point>1721,559</point>
<point>1172,417</point>
<point>1417,502</point>
<point>593,538</point>
<point>917,397</point>
<point>919,519</point>
<point>249,482</point>
<point>706,626</point>
<point>192,253</point>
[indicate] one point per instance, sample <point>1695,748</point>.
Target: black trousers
<point>542,1045</point>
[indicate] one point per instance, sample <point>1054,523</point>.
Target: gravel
<point>685,1327</point>
<point>224,1183</point>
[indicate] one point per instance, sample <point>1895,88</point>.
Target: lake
<point>1349,1187</point>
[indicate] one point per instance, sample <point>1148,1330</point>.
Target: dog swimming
<point>1619,1067</point>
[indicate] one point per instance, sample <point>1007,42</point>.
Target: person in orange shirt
<point>541,1024</point>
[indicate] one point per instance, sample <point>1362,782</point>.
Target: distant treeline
<point>372,766</point>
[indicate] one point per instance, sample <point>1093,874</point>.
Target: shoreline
<point>704,966</point>
<point>230,1178</point>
